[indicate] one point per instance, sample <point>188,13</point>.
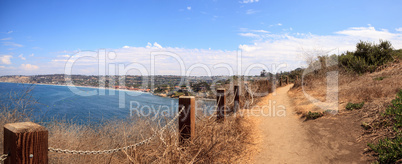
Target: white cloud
<point>278,24</point>
<point>248,1</point>
<point>28,67</point>
<point>12,44</point>
<point>9,32</point>
<point>248,48</point>
<point>290,47</point>
<point>268,49</point>
<point>149,45</point>
<point>155,46</point>
<point>59,60</point>
<point>2,66</point>
<point>251,11</point>
<point>249,35</point>
<point>21,57</point>
<point>9,38</point>
<point>189,8</point>
<point>367,33</point>
<point>66,52</point>
<point>6,59</point>
<point>32,55</point>
<point>260,31</point>
<point>399,29</point>
<point>255,31</point>
<point>126,46</point>
<point>63,56</point>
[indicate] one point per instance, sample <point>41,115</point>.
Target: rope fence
<point>234,97</point>
<point>216,108</point>
<point>3,157</point>
<point>27,142</point>
<point>80,152</point>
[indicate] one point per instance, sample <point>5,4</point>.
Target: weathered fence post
<point>25,142</point>
<point>236,98</point>
<point>287,80</point>
<point>280,81</point>
<point>221,102</point>
<point>186,118</point>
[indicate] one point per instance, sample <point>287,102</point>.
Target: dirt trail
<point>286,139</point>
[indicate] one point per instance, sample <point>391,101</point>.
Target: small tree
<point>263,73</point>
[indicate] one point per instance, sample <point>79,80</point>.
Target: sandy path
<point>283,139</point>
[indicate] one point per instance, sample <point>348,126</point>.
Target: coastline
<point>92,87</point>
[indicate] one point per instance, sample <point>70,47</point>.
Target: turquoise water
<point>59,102</point>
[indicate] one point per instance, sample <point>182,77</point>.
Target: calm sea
<point>59,102</point>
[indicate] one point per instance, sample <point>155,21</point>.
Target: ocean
<point>92,105</point>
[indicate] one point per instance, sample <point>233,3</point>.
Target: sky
<point>205,37</point>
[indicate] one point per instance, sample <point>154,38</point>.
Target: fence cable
<point>3,157</point>
<point>234,96</point>
<point>216,108</point>
<point>251,93</point>
<point>66,151</point>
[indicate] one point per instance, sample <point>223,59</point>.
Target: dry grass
<point>352,88</point>
<point>214,142</point>
<point>9,116</point>
<point>375,89</point>
<point>225,142</point>
<point>250,93</point>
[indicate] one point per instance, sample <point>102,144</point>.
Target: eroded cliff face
<point>15,79</point>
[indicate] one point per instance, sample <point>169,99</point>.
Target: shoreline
<point>91,87</point>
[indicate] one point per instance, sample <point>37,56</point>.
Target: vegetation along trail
<point>287,139</point>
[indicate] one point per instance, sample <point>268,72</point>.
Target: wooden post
<point>186,118</point>
<point>25,142</point>
<point>236,98</point>
<point>280,81</point>
<point>221,102</point>
<point>287,80</point>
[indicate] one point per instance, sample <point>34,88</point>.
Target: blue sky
<point>37,36</point>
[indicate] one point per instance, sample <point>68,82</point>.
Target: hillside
<point>352,129</point>
<point>340,138</point>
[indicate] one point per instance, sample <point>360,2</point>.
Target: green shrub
<point>351,106</point>
<point>344,59</point>
<point>367,57</point>
<point>395,110</point>
<point>374,54</point>
<point>313,115</point>
<point>389,150</point>
<point>398,54</point>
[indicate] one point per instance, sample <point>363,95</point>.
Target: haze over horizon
<point>39,37</point>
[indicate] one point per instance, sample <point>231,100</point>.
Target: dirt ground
<point>289,139</point>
